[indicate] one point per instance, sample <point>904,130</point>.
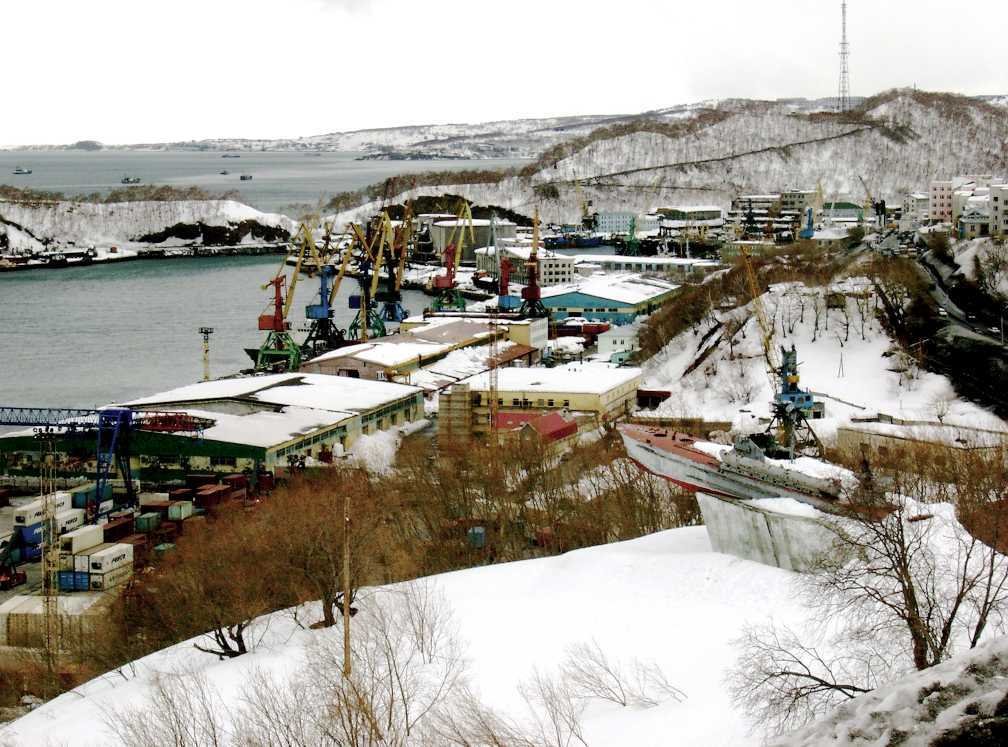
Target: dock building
<point>617,298</point>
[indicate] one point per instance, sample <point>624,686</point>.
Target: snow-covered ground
<point>858,376</point>
<point>664,598</point>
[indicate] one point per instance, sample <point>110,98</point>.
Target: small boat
<point>130,180</point>
<point>225,172</point>
<point>22,170</point>
<point>231,155</point>
<point>246,177</point>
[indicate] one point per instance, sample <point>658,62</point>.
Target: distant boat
<point>130,180</point>
<point>22,170</point>
<point>246,177</point>
<point>231,155</point>
<point>225,172</point>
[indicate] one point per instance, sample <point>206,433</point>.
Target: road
<point>956,317</point>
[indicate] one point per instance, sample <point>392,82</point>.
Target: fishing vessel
<point>22,170</point>
<point>245,177</point>
<point>130,179</point>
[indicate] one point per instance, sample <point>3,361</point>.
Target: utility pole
<point>50,557</point>
<point>346,583</point>
<point>206,332</point>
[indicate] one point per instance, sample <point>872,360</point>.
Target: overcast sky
<point>125,71</point>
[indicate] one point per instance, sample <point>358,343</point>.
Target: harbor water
<point>87,336</point>
<point>281,181</point>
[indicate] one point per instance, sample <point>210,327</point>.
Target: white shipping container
<point>33,513</point>
<point>82,539</point>
<point>82,560</point>
<point>148,498</point>
<point>110,579</point>
<point>111,558</point>
<point>69,520</point>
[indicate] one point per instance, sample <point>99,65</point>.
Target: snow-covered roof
<point>316,391</point>
<point>386,352</point>
<point>266,428</point>
<point>575,378</point>
<point>622,288</point>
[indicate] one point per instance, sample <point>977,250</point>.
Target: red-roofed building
<point>551,427</point>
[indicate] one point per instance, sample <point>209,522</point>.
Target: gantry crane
<point>370,246</point>
<point>391,297</point>
<point>323,334</point>
<point>789,427</point>
<point>279,352</point>
<point>112,428</point>
<point>532,305</point>
<point>878,207</point>
<point>448,296</point>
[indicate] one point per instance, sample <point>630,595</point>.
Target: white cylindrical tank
<point>441,232</point>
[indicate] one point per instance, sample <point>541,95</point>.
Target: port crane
<point>448,296</point>
<point>323,334</point>
<point>279,352</point>
<point>878,207</point>
<point>369,245</point>
<point>789,433</point>
<point>391,297</point>
<point>532,305</point>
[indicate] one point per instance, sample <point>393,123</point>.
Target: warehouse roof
<point>317,391</point>
<point>622,288</point>
<point>266,428</point>
<point>576,378</point>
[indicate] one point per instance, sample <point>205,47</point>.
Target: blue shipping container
<point>66,580</point>
<point>81,580</point>
<point>31,535</point>
<point>31,553</point>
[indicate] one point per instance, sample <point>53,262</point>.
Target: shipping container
<point>34,512</point>
<point>147,522</point>
<point>111,579</point>
<point>82,580</point>
<point>105,506</point>
<point>148,498</point>
<point>236,481</point>
<point>180,494</point>
<point>116,529</point>
<point>180,510</point>
<point>82,560</point>
<point>66,561</point>
<point>66,580</point>
<point>30,535</point>
<point>199,480</point>
<point>69,520</point>
<point>110,559</point>
<point>161,549</point>
<point>82,495</point>
<point>31,553</point>
<point>82,539</point>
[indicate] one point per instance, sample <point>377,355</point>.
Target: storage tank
<point>442,230</point>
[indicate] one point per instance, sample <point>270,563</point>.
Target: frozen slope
<point>859,375</point>
<point>666,597</point>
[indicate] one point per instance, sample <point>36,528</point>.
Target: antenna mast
<point>843,99</point>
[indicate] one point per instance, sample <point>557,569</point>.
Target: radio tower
<point>843,100</point>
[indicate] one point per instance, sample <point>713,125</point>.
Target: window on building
<point>515,401</point>
<point>223,461</point>
<point>549,403</point>
<point>566,403</point>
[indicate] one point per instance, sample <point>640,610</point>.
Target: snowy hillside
<point>964,699</point>
<point>24,226</point>
<point>717,371</point>
<point>664,599</point>
<point>898,143</point>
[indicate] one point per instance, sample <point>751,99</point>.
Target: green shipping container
<point>146,523</point>
<point>161,549</point>
<point>180,510</point>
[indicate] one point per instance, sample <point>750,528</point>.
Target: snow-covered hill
<point>665,598</point>
<point>897,141</point>
<point>717,371</point>
<point>25,226</point>
<point>963,700</point>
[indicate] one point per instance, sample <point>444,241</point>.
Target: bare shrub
<point>184,710</point>
<point>590,673</point>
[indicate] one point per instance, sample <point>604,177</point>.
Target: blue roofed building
<point>617,298</point>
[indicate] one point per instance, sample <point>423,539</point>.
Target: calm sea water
<point>92,335</point>
<point>279,180</point>
<point>88,336</point>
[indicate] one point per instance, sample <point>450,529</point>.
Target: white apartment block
<point>999,209</point>
<point>916,206</point>
<point>620,222</point>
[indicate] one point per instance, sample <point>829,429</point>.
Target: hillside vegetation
<point>897,141</point>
